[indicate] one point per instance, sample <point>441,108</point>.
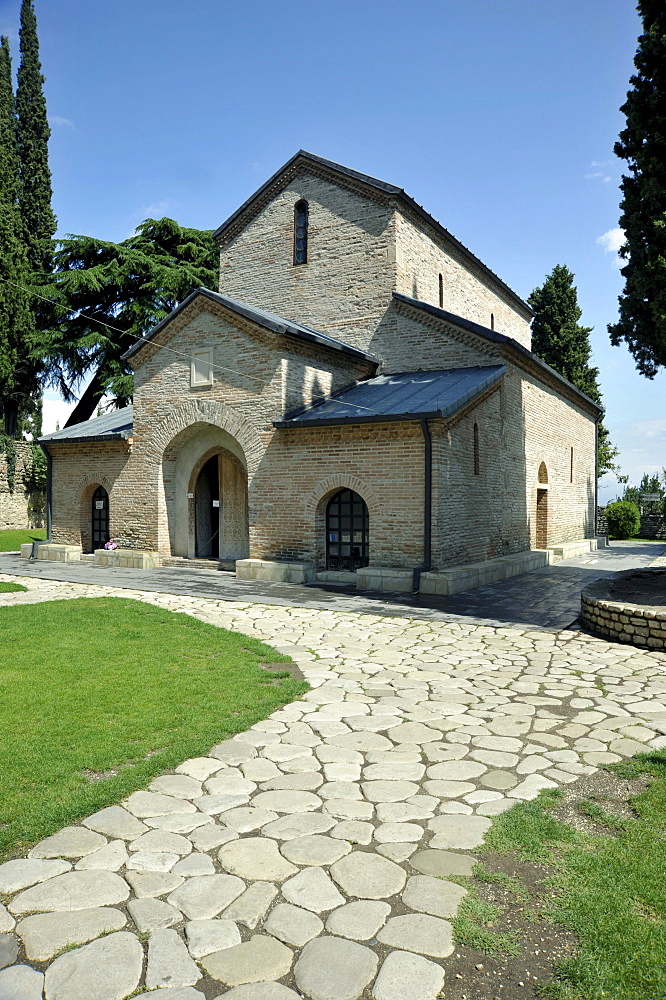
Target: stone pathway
<point>308,857</point>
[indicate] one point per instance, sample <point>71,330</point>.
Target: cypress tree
<point>642,319</point>
<point>18,382</point>
<point>33,133</point>
<point>560,341</point>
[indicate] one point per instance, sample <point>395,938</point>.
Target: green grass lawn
<point>609,889</point>
<point>99,695</point>
<point>11,540</point>
<point>8,588</point>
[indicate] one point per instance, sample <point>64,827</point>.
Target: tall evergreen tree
<point>642,320</point>
<point>18,382</point>
<point>560,341</point>
<point>33,135</point>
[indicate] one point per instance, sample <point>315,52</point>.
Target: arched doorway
<point>542,508</point>
<point>347,532</point>
<point>100,518</point>
<point>207,511</point>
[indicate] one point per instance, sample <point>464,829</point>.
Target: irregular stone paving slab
<point>331,968</point>
<point>143,804</point>
<point>153,883</point>
<point>313,889</point>
<point>176,993</point>
<point>420,933</point>
<point>301,782</point>
<point>368,876</point>
<point>116,822</point>
<point>359,920</point>
<point>9,949</point>
<point>261,991</point>
<point>352,831</point>
<point>293,925</point>
<point>232,752</point>
<point>72,891</point>
<point>23,872</point>
<point>206,936</point>
<point>252,961</point>
<point>435,896</point>
<point>112,857</point>
<point>151,861</point>
<point>107,969</point>
<point>194,864</point>
<point>251,905</point>
<point>442,863</point>
<point>298,825</point>
<point>389,833</point>
<point>7,921</point>
<point>169,962</point>
<point>200,767</point>
<point>404,975</point>
<point>459,832</point>
<point>288,801</point>
<point>152,914</point>
<point>70,842</point>
<point>389,791</point>
<point>182,786</point>
<point>45,934</point>
<point>255,858</point>
<point>208,837</point>
<point>315,850</point>
<point>20,982</point>
<point>245,819</point>
<point>228,783</point>
<point>204,896</point>
<point>162,841</point>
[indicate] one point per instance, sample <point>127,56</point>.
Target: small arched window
<point>301,232</point>
<point>477,464</point>
<point>492,321</point>
<point>441,292</point>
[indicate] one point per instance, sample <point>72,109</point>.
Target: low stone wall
<point>620,621</point>
<point>21,505</point>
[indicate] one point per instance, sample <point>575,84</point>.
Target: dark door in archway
<point>347,532</point>
<point>100,518</point>
<point>207,511</point>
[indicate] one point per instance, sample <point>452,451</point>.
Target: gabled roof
<point>302,157</point>
<point>497,338</point>
<point>116,425</point>
<point>404,396</point>
<point>267,320</point>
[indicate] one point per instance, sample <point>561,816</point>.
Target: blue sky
<point>498,117</point>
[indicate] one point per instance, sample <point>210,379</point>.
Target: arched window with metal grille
<point>301,213</point>
<point>347,532</point>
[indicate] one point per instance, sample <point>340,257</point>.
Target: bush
<point>623,518</point>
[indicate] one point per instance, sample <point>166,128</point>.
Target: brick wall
<point>20,505</point>
<point>78,469</point>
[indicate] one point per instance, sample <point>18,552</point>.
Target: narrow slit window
<point>571,466</point>
<point>441,292</point>
<point>492,321</point>
<point>301,232</point>
<point>477,466</point>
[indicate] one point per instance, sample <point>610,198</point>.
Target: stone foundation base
<point>52,550</point>
<point>127,558</point>
<point>274,571</point>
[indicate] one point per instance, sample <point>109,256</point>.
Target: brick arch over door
<point>196,411</point>
<point>86,489</point>
<point>317,501</point>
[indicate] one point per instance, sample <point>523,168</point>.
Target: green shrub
<point>623,518</point>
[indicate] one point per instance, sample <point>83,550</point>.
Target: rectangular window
<point>202,368</point>
<point>571,468</point>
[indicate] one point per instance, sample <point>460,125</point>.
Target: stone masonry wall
<point>19,506</point>
<point>421,258</point>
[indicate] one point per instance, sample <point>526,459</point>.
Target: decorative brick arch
<point>216,413</point>
<point>324,490</point>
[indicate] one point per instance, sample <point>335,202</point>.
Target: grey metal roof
<point>111,426</point>
<point>386,188</point>
<point>497,338</point>
<point>403,396</point>
<point>267,320</point>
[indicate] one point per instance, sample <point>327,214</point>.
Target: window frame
<point>301,207</point>
<point>201,358</point>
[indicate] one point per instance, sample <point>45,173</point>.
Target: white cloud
<point>158,209</point>
<point>59,120</point>
<point>611,241</point>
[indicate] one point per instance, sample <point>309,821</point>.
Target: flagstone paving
<point>308,857</point>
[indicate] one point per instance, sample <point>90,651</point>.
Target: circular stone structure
<point>629,608</point>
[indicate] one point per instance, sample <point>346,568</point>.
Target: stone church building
<point>359,397</point>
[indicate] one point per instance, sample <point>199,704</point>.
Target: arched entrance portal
<point>220,507</point>
<point>100,518</point>
<point>347,532</point>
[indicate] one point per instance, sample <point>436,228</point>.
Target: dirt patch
<point>280,668</point>
<point>475,975</point>
<point>641,587</point>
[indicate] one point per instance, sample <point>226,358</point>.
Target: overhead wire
<point>164,347</point>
